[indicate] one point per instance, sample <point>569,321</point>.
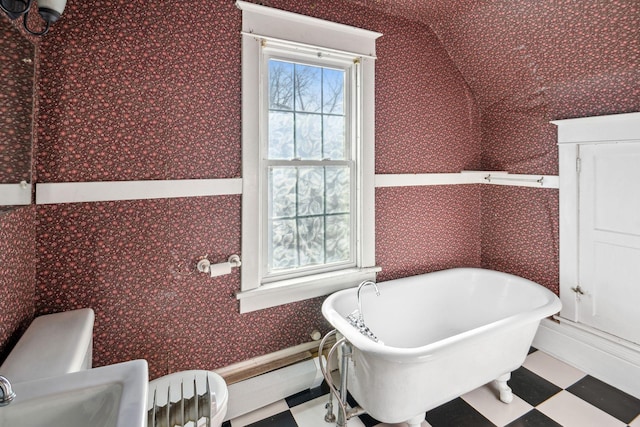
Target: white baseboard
<point>611,360</point>
<point>257,392</point>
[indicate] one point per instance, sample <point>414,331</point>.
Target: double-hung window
<point>308,225</point>
<point>309,164</point>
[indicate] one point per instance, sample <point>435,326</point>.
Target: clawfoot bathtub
<point>440,335</point>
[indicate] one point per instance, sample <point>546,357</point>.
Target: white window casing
<point>262,27</point>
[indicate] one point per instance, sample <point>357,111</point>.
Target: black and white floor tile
<point>547,393</point>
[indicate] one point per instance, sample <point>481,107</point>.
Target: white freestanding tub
<point>440,334</point>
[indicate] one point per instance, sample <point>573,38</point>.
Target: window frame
<point>261,27</point>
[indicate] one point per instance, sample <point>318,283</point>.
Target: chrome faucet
<point>356,318</point>
<point>7,392</point>
<point>362,285</point>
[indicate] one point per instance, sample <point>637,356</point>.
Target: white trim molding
<point>15,194</point>
<point>260,21</point>
<point>467,177</point>
<point>610,128</point>
<point>420,179</point>
<point>604,356</point>
<point>104,191</point>
<point>79,192</point>
<point>608,358</point>
<point>284,292</point>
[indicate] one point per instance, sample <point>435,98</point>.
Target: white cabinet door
<point>609,238</point>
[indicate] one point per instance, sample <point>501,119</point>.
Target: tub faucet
<point>362,285</point>
<point>7,392</point>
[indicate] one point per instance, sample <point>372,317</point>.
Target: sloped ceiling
<point>531,61</point>
<point>562,49</point>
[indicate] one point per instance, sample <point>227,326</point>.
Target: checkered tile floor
<point>548,393</point>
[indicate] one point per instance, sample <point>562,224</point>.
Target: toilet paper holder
<point>205,266</point>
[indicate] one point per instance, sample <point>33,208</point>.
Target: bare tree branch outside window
<point>309,207</point>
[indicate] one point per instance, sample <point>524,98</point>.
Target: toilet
<point>53,345</point>
<point>61,343</point>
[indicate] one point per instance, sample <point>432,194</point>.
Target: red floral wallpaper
<point>155,94</point>
<point>426,117</point>
<point>530,62</point>
<point>424,229</point>
<point>520,232</point>
<point>121,104</point>
<point>16,103</point>
<point>17,275</point>
<point>527,63</point>
<point>133,91</point>
<point>134,263</point>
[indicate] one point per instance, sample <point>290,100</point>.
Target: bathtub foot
<point>417,420</point>
<point>506,395</point>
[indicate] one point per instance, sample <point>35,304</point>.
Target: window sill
<point>288,291</point>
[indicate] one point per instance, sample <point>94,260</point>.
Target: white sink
<point>110,396</point>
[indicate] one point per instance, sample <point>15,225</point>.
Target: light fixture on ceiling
<point>49,10</point>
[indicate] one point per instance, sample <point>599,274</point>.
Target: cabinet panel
<point>609,238</point>
<point>616,178</point>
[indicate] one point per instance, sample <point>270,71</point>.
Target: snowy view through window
<point>309,167</point>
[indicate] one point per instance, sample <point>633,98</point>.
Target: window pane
<point>310,191</point>
<point>308,88</point>
<point>282,187</point>
<point>338,238</point>
<point>280,85</point>
<point>317,128</point>
<point>338,196</point>
<point>311,240</point>
<point>332,91</point>
<point>309,207</point>
<point>309,136</point>
<point>283,252</point>
<point>333,138</point>
<point>280,135</point>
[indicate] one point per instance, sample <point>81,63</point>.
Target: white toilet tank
<point>54,344</point>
